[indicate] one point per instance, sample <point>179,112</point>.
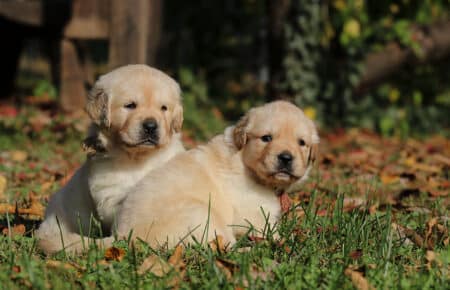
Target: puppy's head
<point>278,143</point>
<point>137,107</point>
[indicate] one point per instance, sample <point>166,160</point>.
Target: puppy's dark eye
<point>266,138</point>
<point>301,142</point>
<point>130,105</point>
<point>163,108</point>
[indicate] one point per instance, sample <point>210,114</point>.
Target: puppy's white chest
<point>109,183</point>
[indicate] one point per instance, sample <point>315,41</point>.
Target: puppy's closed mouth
<point>145,142</point>
<point>284,175</point>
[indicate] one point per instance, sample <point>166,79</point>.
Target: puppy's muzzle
<point>285,160</point>
<point>150,131</point>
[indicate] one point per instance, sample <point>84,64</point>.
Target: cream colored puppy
<point>137,114</point>
<point>223,187</point>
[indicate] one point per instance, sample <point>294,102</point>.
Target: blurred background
<point>382,65</point>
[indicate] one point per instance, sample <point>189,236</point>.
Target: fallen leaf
<point>8,111</point>
<point>409,235</point>
<point>227,267</point>
<point>15,230</point>
<point>217,245</point>
<point>155,265</point>
<point>389,179</point>
<point>114,254</point>
<point>62,265</point>
<point>37,210</point>
<point>355,255</point>
<point>18,155</point>
<point>177,257</point>
<point>358,279</point>
<point>285,202</point>
<point>46,186</point>
<point>263,274</point>
<point>3,183</point>
<point>16,269</point>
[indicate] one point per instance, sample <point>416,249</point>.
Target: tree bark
<point>434,41</point>
<point>277,11</point>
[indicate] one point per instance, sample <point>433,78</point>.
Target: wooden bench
<point>131,28</point>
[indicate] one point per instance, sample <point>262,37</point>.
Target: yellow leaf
<point>352,28</point>
<point>394,95</point>
<point>310,112</point>
<point>394,8</point>
<point>389,179</point>
<point>339,4</point>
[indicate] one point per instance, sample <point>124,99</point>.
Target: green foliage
<point>326,46</point>
<point>200,118</point>
<point>45,88</point>
<point>326,42</point>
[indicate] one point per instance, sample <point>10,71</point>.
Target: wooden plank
<point>72,91</point>
<point>128,32</point>
<point>90,19</point>
<point>25,12</point>
<point>87,28</point>
<point>154,30</point>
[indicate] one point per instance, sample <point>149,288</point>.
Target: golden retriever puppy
<point>137,116</point>
<point>227,185</point>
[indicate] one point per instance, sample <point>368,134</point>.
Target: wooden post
<point>277,11</point>
<point>72,91</point>
<point>129,26</point>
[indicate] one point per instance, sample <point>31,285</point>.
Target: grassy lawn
<point>374,215</point>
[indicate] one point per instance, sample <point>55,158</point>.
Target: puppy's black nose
<point>150,126</point>
<point>285,159</point>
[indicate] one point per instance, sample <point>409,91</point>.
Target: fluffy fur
<point>137,115</point>
<point>226,185</point>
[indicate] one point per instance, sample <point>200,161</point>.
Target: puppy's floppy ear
<point>314,151</point>
<point>177,118</point>
<point>240,132</point>
<point>97,106</point>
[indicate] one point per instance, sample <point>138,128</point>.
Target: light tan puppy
<point>137,114</point>
<point>223,187</point>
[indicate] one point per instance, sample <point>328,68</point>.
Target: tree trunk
<point>434,41</point>
<point>277,11</point>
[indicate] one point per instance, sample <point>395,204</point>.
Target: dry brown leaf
<point>156,265</point>
<point>114,254</point>
<point>256,272</point>
<point>18,155</point>
<point>408,234</point>
<point>358,279</point>
<point>46,185</point>
<point>285,202</point>
<point>15,230</point>
<point>177,257</point>
<point>227,267</point>
<point>3,184</point>
<point>442,159</point>
<point>389,179</point>
<point>351,203</point>
<point>37,210</point>
<point>62,265</point>
<point>356,254</point>
<point>218,244</point>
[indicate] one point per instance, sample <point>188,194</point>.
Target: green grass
<point>307,252</point>
<point>315,253</point>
